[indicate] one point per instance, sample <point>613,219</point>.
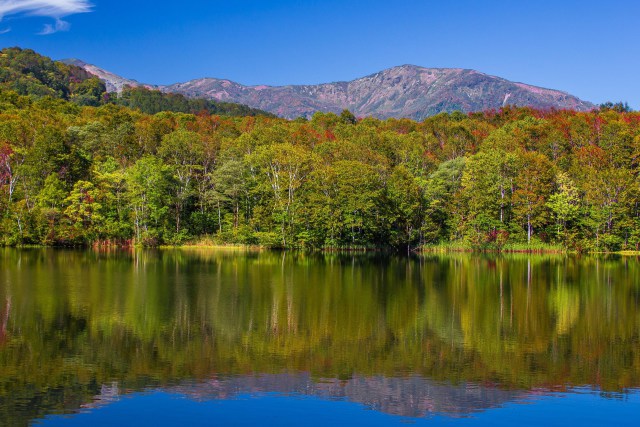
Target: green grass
<point>444,247</point>
<point>537,247</point>
<point>628,253</point>
<point>514,247</point>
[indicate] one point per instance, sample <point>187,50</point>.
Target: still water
<point>222,337</point>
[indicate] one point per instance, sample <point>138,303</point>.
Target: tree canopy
<point>74,173</point>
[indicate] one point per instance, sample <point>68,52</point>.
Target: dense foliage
<point>518,177</point>
<point>73,175</point>
<point>154,101</point>
<point>29,73</point>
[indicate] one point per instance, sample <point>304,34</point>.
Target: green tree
<point>348,118</point>
<point>83,212</point>
<point>51,201</point>
<point>286,168</point>
<point>149,184</point>
<point>488,184</point>
<point>441,212</point>
<point>228,186</point>
<point>405,203</point>
<point>111,192</point>
<point>565,204</point>
<point>182,150</point>
<point>533,184</point>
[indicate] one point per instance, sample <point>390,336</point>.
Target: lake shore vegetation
<point>79,169</point>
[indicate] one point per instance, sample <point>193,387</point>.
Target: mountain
<point>405,91</point>
<point>113,82</point>
<point>26,72</point>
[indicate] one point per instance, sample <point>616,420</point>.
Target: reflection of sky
<point>160,408</point>
<point>411,396</point>
<point>294,399</point>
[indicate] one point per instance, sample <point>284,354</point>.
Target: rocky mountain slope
<point>114,82</point>
<point>405,91</point>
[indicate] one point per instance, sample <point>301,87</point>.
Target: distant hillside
<point>29,73</point>
<point>113,82</point>
<point>405,91</point>
<point>153,101</point>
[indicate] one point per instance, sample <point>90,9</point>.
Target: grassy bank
<point>536,247</point>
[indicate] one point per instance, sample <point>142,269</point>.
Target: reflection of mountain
<point>71,321</point>
<point>411,396</point>
<point>109,393</point>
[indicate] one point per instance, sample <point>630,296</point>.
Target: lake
<point>232,337</point>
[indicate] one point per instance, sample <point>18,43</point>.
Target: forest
<point>79,167</point>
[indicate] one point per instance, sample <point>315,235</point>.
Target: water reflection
<point>452,334</point>
<point>408,397</point>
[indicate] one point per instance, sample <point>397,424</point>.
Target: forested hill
<point>82,175</point>
<point>28,73</point>
<point>153,101</point>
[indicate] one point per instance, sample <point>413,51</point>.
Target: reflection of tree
<point>82,319</point>
<point>4,320</point>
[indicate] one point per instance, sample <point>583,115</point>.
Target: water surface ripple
<point>104,337</point>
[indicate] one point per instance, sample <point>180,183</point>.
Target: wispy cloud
<point>59,25</point>
<point>56,9</point>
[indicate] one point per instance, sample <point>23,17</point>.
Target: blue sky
<point>588,48</point>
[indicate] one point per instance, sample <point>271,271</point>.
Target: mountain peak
<point>406,67</point>
<point>406,90</point>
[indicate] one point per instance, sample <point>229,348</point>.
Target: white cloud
<point>59,25</point>
<point>55,9</point>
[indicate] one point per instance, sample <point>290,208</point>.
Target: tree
<point>51,201</point>
<point>10,162</point>
<point>348,118</point>
<point>405,203</point>
<point>286,167</point>
<point>182,150</point>
<point>83,212</point>
<point>228,185</point>
<point>618,107</point>
<point>441,211</point>
<point>111,188</point>
<point>149,184</point>
<point>564,203</point>
<point>343,204</point>
<point>533,185</point>
<point>488,184</point>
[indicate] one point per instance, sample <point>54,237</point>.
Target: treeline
<point>29,73</point>
<point>154,101</point>
<point>72,175</point>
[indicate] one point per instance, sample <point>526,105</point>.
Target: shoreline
<point>416,251</point>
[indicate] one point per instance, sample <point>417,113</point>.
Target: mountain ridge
<point>406,90</point>
<point>114,82</point>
